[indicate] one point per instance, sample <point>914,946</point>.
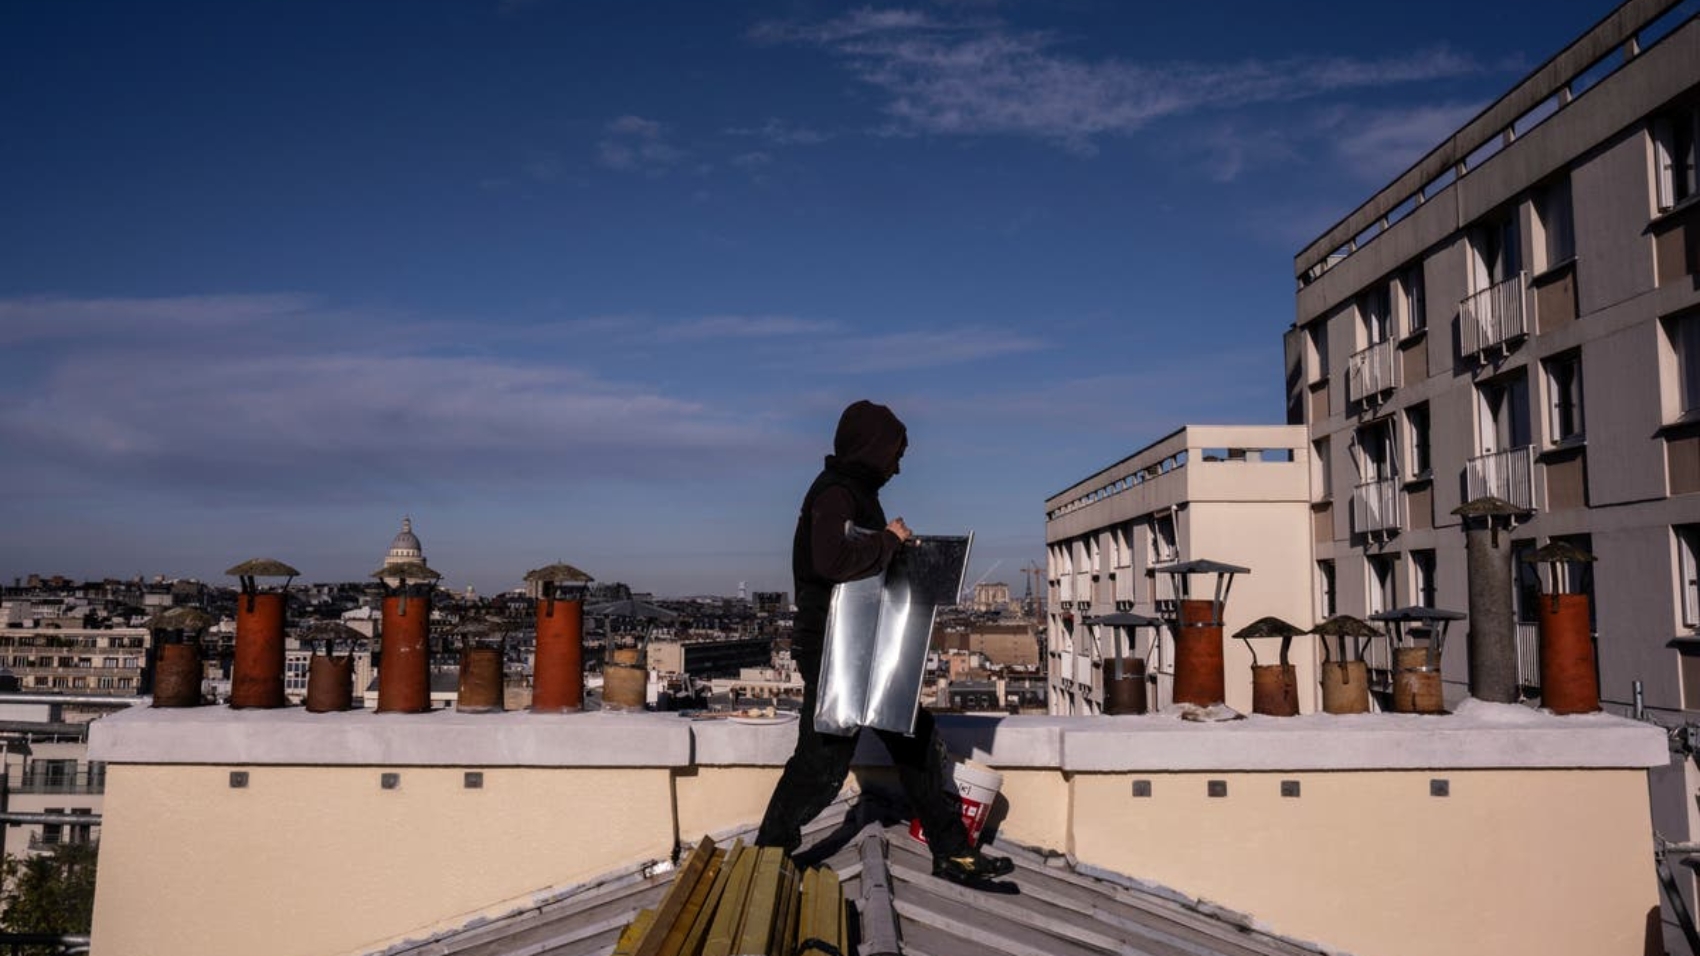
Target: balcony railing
<point>84,779</point>
<point>1503,474</point>
<point>1378,506</point>
<point>1528,655</point>
<point>1372,371</point>
<point>1495,315</point>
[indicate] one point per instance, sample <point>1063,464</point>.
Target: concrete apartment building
<point>76,660</point>
<point>1235,494</point>
<point>1518,315</point>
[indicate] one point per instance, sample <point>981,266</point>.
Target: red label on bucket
<point>977,789</point>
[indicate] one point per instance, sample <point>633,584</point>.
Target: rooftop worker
<point>829,548</point>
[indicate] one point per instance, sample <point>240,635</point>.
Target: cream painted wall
<point>1555,862</point>
<point>308,860</point>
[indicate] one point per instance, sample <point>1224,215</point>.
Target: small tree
<point>49,893</point>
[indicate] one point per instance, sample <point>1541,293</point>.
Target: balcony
<point>1372,371</point>
<point>1378,506</point>
<point>1509,475</point>
<point>84,779</point>
<point>1494,316</point>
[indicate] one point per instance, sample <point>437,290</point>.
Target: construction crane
<point>1035,576</point>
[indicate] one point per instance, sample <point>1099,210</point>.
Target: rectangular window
<point>1564,397</point>
<point>1163,547</point>
<point>1688,573</point>
<point>1325,606</point>
<point>1321,479</point>
<point>1375,451</point>
<point>1416,303</point>
<point>1381,593</point>
<point>1674,138</point>
<point>1416,422</point>
<point>1422,578</point>
<point>1494,253</point>
<point>1526,592</point>
<point>1685,341</point>
<point>1504,411</point>
<point>1316,335</point>
<point>1558,224</point>
<point>1375,314</point>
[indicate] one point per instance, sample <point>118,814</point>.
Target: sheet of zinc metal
<point>878,630</point>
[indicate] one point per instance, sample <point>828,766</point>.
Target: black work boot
<point>974,869</point>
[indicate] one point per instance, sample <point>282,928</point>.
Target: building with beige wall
<point>1238,494</point>
<point>1518,315</point>
<point>1494,830</point>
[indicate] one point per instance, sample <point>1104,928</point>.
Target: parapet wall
<point>279,832</point>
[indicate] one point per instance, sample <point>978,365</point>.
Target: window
<point>1558,225</point>
<point>1325,606</point>
<point>1564,397</point>
<point>1422,578</point>
<point>1316,335</point>
<point>1526,592</point>
<point>1674,136</point>
<point>1688,573</point>
<point>1381,594</point>
<point>1504,414</point>
<point>1321,480</point>
<point>1685,341</point>
<point>1375,314</point>
<point>1416,422</point>
<point>1375,451</point>
<point>1416,306</point>
<point>1163,548</point>
<point>1494,254</point>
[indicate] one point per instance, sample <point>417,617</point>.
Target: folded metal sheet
<point>877,633</point>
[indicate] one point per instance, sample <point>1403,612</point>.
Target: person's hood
<point>869,443</point>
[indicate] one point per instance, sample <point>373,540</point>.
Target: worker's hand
<point>900,529</point>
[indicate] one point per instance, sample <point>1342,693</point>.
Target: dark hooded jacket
<point>841,532</point>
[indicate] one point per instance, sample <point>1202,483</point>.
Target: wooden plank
<point>674,942</point>
<point>785,939</point>
<point>627,946</point>
<point>723,931</point>
<point>693,942</point>
<point>684,884</point>
<point>757,926</point>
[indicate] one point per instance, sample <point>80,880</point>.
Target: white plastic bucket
<point>977,787</point>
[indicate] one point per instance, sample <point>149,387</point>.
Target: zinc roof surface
<point>1057,909</point>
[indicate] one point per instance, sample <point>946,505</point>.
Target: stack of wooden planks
<point>742,901</point>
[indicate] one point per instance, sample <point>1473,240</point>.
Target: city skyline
<point>591,283</point>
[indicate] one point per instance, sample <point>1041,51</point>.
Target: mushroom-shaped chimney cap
<point>1269,627</point>
<point>1558,551</point>
<point>559,573</point>
<point>1422,614</point>
<point>1201,566</point>
<point>1345,625</point>
<point>1488,506</point>
<point>263,568</point>
<point>180,619</point>
<point>408,570</point>
<point>1125,619</point>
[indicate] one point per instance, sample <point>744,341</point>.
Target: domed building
<point>405,549</point>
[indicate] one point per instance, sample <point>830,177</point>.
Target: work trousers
<point>820,763</point>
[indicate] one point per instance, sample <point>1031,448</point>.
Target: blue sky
<point>591,281</point>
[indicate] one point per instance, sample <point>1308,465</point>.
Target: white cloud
<point>984,78</point>
<point>635,144</point>
<point>1380,144</point>
<point>206,401</point>
<point>745,327</point>
<point>777,132</point>
<point>902,351</point>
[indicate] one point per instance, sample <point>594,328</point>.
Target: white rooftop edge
<point>1478,736</point>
